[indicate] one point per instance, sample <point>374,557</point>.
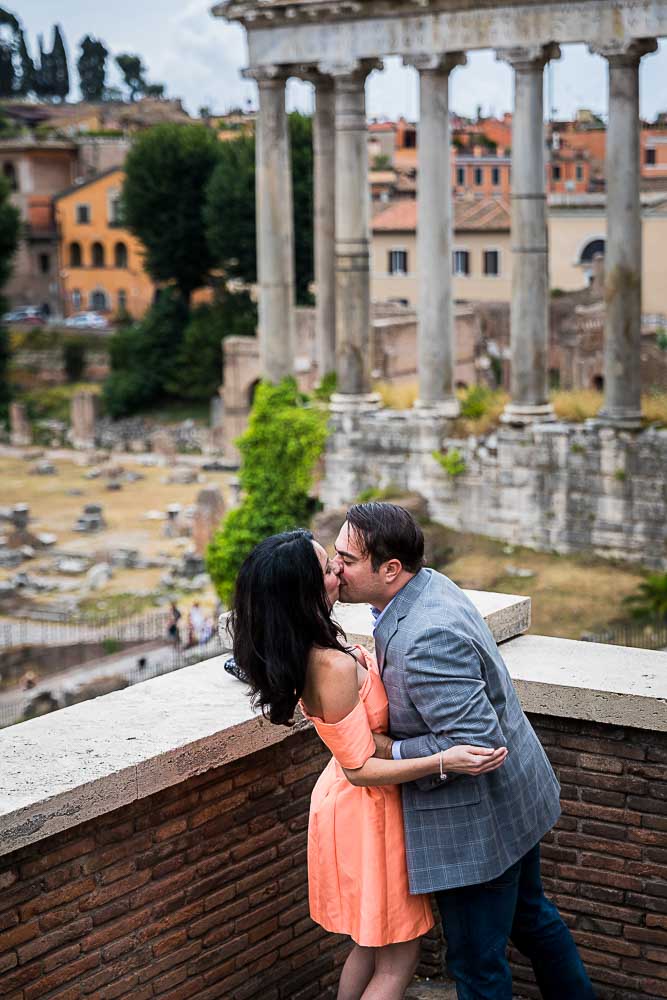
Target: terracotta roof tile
<point>479,214</point>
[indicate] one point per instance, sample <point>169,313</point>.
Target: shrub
<point>74,359</point>
<point>452,462</point>
<point>279,451</point>
<point>650,600</point>
<point>475,402</point>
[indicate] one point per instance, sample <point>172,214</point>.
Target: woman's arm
<point>459,759</point>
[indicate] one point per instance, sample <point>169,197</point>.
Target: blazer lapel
<point>400,607</point>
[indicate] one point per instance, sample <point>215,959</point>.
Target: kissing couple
<point>435,713</point>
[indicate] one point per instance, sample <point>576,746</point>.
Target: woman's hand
<point>472,760</point>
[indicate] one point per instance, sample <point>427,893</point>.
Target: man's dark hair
<point>386,531</point>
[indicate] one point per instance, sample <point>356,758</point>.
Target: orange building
<point>101,264</point>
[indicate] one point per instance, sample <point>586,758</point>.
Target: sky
<point>199,58</point>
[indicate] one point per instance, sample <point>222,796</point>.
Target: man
<point>472,841</point>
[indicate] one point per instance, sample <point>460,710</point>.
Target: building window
<point>83,214</point>
<point>76,298</point>
<point>495,176</point>
<point>649,156</point>
<point>555,172</point>
<point>98,255</point>
<point>98,300</point>
<point>122,300</point>
<point>461,263</point>
<point>75,255</point>
<point>591,250</point>
<point>478,174</point>
<point>398,261</point>
<point>120,255</point>
<point>579,172</point>
<point>492,263</point>
<point>114,210</point>
<point>44,263</point>
<point>460,176</point>
<point>9,173</point>
<point>410,139</point>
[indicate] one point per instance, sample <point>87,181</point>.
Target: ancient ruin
<point>336,46</point>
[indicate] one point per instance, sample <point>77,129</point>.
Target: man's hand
<point>383,745</point>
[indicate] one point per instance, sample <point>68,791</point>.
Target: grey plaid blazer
<point>447,684</point>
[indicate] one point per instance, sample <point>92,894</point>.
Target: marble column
<point>324,194</point>
<point>529,314</point>
<point>275,227</point>
<point>623,250</point>
<point>436,345</point>
<point>352,229</point>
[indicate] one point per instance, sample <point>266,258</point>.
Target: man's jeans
<point>478,920</point>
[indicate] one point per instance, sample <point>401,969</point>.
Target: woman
<point>292,652</point>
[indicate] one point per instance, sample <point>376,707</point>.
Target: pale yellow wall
<point>476,287</point>
<point>569,233</point>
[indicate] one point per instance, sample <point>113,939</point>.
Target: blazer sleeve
<point>443,675</point>
<point>350,740</point>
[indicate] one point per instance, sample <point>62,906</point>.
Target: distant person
<point>142,663</point>
<point>173,630</point>
<point>195,624</point>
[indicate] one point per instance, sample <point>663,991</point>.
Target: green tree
<point>166,173</point>
<point>279,451</point>
<point>142,357</point>
<point>92,67</point>
<point>198,367</point>
<point>9,238</point>
<point>27,67</point>
<point>230,206</point>
<point>133,71</point>
<point>60,68</point>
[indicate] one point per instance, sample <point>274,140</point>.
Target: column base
<point>450,408</point>
<point>355,402</point>
<point>630,420</point>
<point>520,416</point>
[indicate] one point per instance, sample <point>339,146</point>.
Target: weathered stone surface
<point>561,487</point>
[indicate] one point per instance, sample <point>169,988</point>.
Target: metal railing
<point>134,649</point>
<point>643,635</point>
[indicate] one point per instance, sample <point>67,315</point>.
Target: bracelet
<point>443,775</point>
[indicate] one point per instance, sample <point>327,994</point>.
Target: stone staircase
<point>427,989</point>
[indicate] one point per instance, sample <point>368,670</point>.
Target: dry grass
<point>570,594</point>
<point>574,406</point>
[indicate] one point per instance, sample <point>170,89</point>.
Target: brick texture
<point>200,891</point>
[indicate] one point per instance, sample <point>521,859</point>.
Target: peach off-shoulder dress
<point>357,873</point>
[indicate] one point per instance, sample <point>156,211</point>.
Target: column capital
<point>443,62</point>
<point>529,58</point>
<point>352,72</point>
<point>312,73</point>
<point>624,52</point>
<point>272,74</point>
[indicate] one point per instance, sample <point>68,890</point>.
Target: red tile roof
<point>479,214</point>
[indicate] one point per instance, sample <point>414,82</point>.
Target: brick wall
<point>197,891</point>
<point>200,890</point>
<point>605,863</point>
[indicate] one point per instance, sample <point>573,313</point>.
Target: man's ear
<point>391,570</point>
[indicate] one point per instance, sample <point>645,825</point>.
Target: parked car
<point>30,315</point>
<point>88,320</point>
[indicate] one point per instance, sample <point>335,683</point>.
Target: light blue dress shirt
<point>377,615</point>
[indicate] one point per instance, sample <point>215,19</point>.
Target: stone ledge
<point>80,762</point>
<point>616,685</point>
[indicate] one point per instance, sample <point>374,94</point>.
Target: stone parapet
<point>556,486</point>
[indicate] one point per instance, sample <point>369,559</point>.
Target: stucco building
<point>101,264</point>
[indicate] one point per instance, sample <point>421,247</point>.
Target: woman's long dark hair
<point>280,612</point>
